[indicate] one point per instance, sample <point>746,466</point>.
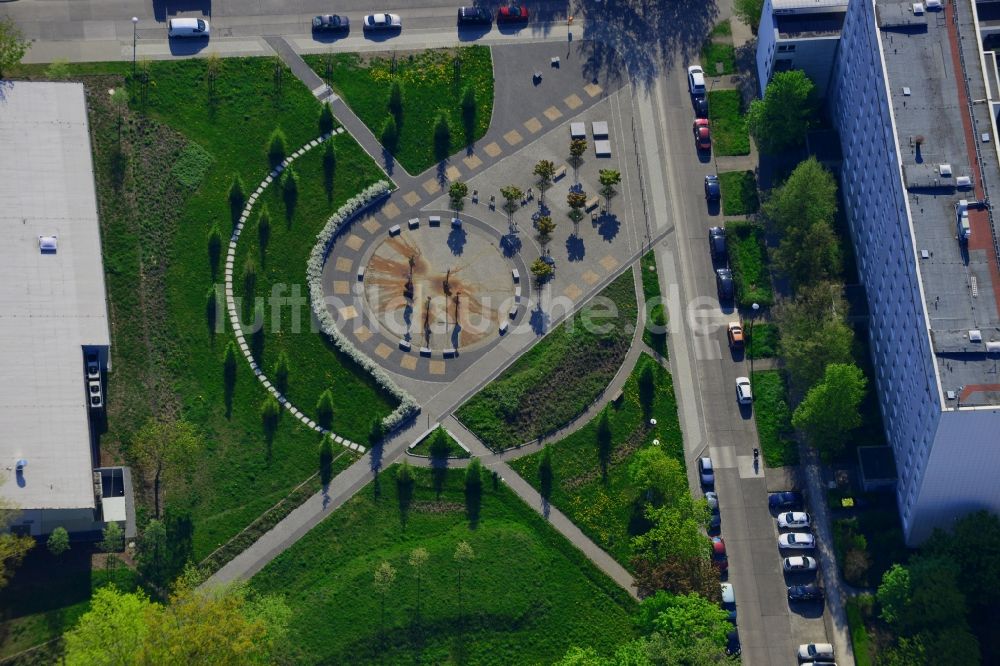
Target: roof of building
<point>939,134</point>
<point>812,5</point>
<point>53,303</point>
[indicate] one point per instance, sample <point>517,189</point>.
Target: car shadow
<point>746,411</point>
<point>380,35</point>
<point>705,156</point>
<point>807,609</point>
<point>714,208</point>
<point>738,353</point>
<point>329,37</point>
<point>511,28</point>
<point>470,33</point>
<point>183,47</point>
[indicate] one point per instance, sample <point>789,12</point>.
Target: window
<point>782,65</point>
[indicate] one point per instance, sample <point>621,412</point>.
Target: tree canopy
<point>830,408</point>
<point>658,475</point>
<point>813,332</point>
<point>13,44</point>
<point>165,450</point>
<point>779,121</point>
<point>686,618</point>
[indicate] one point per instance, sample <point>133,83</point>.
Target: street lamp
<point>753,315</point>
<point>135,22</point>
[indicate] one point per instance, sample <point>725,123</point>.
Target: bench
<point>394,230</point>
<point>517,294</point>
<point>414,222</point>
<point>516,275</point>
<point>425,351</point>
<point>361,274</point>
<point>592,203</point>
<point>449,353</point>
<point>503,328</point>
<point>559,173</point>
<point>513,312</point>
<point>404,345</point>
<point>434,220</point>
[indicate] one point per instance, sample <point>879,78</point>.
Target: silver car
<point>797,540</point>
<point>382,21</point>
<point>793,520</point>
<point>799,564</point>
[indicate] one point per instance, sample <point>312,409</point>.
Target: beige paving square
<point>573,101</point>
<point>493,149</point>
<point>371,225</point>
<point>436,367</point>
<point>472,161</point>
<point>391,210</point>
<point>552,113</point>
<point>592,89</point>
<point>609,263</point>
<point>343,264</point>
<point>532,125</point>
<point>348,312</point>
<point>411,198</point>
<point>408,362</point>
<point>355,242</point>
<point>341,287</point>
<point>363,333</point>
<point>590,277</point>
<point>431,185</point>
<point>513,137</point>
<point>572,292</point>
<point>452,173</point>
<point>383,350</point>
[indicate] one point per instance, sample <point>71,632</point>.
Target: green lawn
<point>748,257</point>
<point>657,313</point>
<point>608,510</point>
<point>722,29</point>
<point>739,193</point>
<point>729,123</point>
<point>714,53</point>
<point>431,84</point>
<point>559,377</point>
<point>526,597</point>
<point>454,450</point>
<point>314,363</point>
<point>774,419</point>
<point>764,343</point>
<point>859,634</point>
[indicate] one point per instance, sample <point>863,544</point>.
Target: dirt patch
<point>437,507</point>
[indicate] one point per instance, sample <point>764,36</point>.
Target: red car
<point>719,558</point>
<point>512,13</point>
<point>702,135</point>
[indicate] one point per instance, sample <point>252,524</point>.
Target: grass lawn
<point>431,84</point>
<point>607,509</point>
<point>859,634</point>
<point>526,597</point>
<point>774,419</point>
<point>657,313</point>
<point>722,29</point>
<point>714,53</point>
<point>454,450</point>
<point>739,193</point>
<point>748,257</point>
<point>560,376</point>
<point>764,343</point>
<point>729,123</point>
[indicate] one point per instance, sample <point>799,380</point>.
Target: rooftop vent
<point>951,395</point>
<point>944,170</point>
<point>906,91</point>
<point>933,4</point>
<point>48,244</point>
<point>924,254</point>
<point>993,347</point>
<point>963,181</point>
<point>975,335</point>
<point>918,8</point>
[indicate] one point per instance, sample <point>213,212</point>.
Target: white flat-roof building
<point>799,34</point>
<point>53,310</point>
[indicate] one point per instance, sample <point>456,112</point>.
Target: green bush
<point>764,341</point>
<point>774,419</point>
<point>730,135</point>
<point>859,634</point>
<point>192,165</point>
<point>748,257</point>
<point>739,193</point>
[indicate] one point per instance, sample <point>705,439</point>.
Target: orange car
<point>735,334</point>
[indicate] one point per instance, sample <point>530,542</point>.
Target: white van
<point>187,27</point>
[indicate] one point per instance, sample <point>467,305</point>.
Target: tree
<point>830,408</point>
<point>807,196</point>
<point>659,476</point>
<point>679,576</point>
<point>576,200</point>
<point>748,12</point>
<point>779,122</point>
<point>809,254</point>
<point>281,372</point>
<point>647,389</point>
<point>263,230</point>
<point>685,618</point>
<point>165,450</point>
<point>541,270</point>
<point>604,442</point>
<point>325,119</point>
<point>609,178</point>
<point>276,148</point>
<point>152,555</point>
<point>512,195</point>
<point>813,332</point>
<point>577,147</point>
<point>390,134</point>
<point>546,227</point>
<point>324,409</point>
<point>464,555</point>
<point>385,576</point>
<point>395,103</point>
<point>457,192</point>
<point>857,562</point>
<point>974,546</point>
<point>418,560</point>
<point>214,248</point>
<point>544,171</point>
<point>213,67</point>
<point>545,476</point>
<point>113,631</point>
<point>442,138</point>
<point>58,542</point>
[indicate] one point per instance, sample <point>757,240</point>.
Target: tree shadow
<point>180,540</point>
<point>257,343</point>
<point>608,226</point>
<point>473,501</point>
<point>439,471</point>
<point>456,241</point>
<point>456,333</point>
<point>388,161</point>
<point>510,244</point>
<point>575,249</point>
<point>539,320</point>
<point>404,495</point>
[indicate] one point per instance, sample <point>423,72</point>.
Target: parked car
<point>734,331</point>
<point>712,192</point>
<point>474,16</point>
<point>733,643</point>
<point>712,498</point>
<point>188,27</point>
<point>814,651</point>
<point>797,540</point>
<point>702,134</point>
<point>93,366</point>
<point>696,80</point>
<point>714,523</point>
<point>717,243</point>
<point>729,600</point>
<point>382,22</point>
<point>810,592</point>
<point>331,23</point>
<point>719,557</point>
<point>744,394</point>
<point>724,283</point>
<point>706,472</point>
<point>512,13</point>
<point>787,499</point>
<point>793,520</point>
<point>700,103</point>
<point>819,663</point>
<point>799,564</point>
